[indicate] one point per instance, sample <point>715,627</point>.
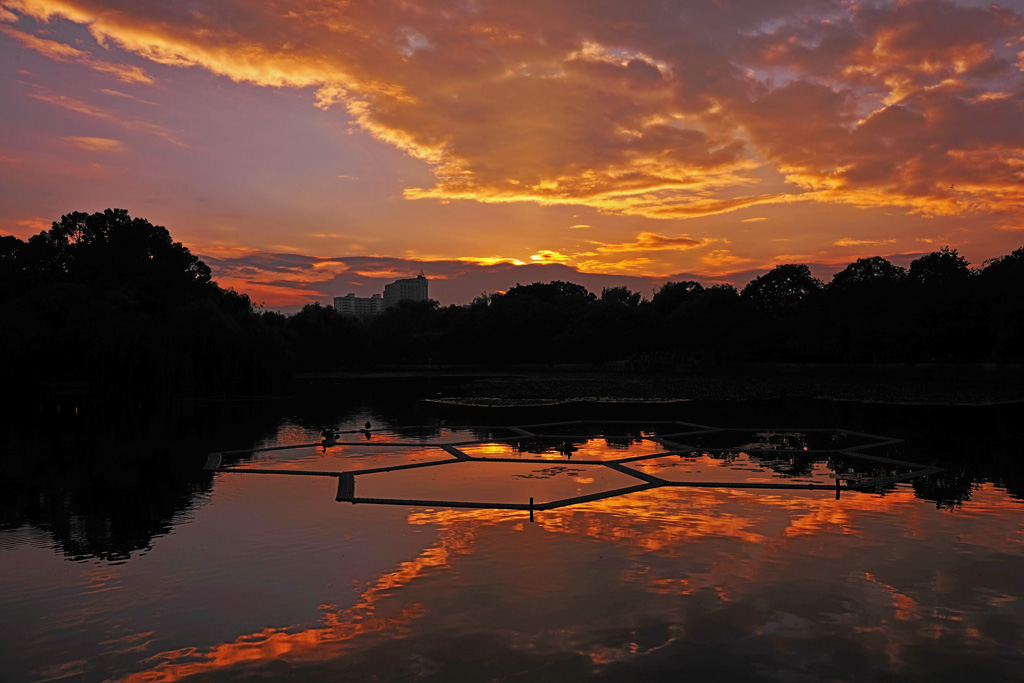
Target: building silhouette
<point>350,304</point>
<point>408,289</point>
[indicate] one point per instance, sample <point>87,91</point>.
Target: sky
<point>306,149</point>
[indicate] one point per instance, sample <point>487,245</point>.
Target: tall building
<point>409,289</point>
<point>350,304</point>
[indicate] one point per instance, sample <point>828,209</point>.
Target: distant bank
<point>926,383</point>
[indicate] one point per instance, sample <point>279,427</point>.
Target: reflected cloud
<point>757,540</point>
<point>328,640</point>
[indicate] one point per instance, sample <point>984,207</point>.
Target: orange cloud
<point>897,105</point>
<point>723,257</point>
<point>850,242</point>
<point>626,266</point>
<point>329,264</point>
<point>73,104</point>
<point>91,144</point>
<point>118,93</point>
<point>490,260</point>
<point>548,256</point>
<point>23,228</point>
<point>650,241</point>
<point>634,110</point>
<point>65,53</point>
<point>385,273</point>
<point>271,295</point>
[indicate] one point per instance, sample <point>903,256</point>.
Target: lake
<point>122,559</point>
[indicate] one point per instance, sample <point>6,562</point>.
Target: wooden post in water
<point>531,508</point>
<point>837,488</point>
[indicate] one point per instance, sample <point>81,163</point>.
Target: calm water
<point>120,559</point>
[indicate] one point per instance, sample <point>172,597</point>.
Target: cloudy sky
<point>309,148</point>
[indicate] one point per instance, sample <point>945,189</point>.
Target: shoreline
<point>478,387</point>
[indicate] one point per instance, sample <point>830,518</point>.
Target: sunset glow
<point>306,149</point>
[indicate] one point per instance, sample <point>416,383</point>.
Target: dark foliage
<point>112,303</point>
<point>871,311</point>
<point>784,287</point>
<point>105,299</point>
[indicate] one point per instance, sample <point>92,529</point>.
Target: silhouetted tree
<point>410,331</point>
<point>113,301</point>
<point>609,325</point>
<point>538,323</point>
<point>672,295</point>
<point>1001,287</point>
<point>864,309</point>
<point>785,323</point>
<point>620,295</point>
<point>784,286</point>
<point>868,271</point>
<point>324,339</point>
<point>944,321</point>
<point>719,328</point>
<point>940,269</point>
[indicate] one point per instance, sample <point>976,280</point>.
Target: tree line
<point>111,301</point>
<point>938,309</point>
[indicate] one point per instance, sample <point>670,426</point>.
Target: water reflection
<point>606,586</point>
<point>497,483</point>
<point>341,458</point>
<point>179,575</point>
<point>779,440</point>
<point>607,448</point>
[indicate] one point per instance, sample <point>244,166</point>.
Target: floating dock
<point>679,439</point>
